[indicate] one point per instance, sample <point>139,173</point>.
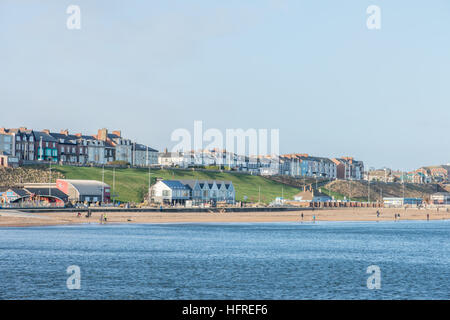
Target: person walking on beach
<point>105,218</point>
<point>314,218</point>
<point>428,217</point>
<point>302,216</point>
<point>378,214</point>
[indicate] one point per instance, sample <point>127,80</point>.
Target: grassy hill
<point>132,184</point>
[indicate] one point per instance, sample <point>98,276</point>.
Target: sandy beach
<point>9,218</point>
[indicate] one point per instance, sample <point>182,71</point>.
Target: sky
<point>310,68</point>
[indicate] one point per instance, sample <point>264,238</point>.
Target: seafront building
<point>197,191</point>
<point>56,194</point>
<point>22,146</point>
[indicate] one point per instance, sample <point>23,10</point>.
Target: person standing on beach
<point>302,216</point>
<point>428,217</point>
<point>314,218</point>
<point>101,218</point>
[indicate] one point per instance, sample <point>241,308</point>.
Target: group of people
<point>103,216</point>
<point>313,217</point>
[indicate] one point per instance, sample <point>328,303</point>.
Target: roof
<point>45,137</point>
<point>47,192</point>
<point>141,147</point>
<point>113,136</point>
<point>87,187</point>
<point>66,139</point>
<point>219,183</point>
<point>19,191</point>
<point>175,184</point>
<point>189,183</point>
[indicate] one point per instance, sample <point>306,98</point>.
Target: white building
<point>199,191</point>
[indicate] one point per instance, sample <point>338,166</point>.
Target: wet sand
<point>10,218</point>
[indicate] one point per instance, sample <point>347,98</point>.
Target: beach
<point>13,218</point>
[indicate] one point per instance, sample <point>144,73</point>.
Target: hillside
<point>132,184</point>
<point>15,177</point>
<point>359,190</point>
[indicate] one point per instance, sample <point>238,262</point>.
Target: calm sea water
<point>326,260</point>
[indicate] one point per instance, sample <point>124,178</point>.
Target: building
<point>34,195</point>
<point>304,165</point>
<point>46,146</point>
<point>7,160</point>
<point>348,168</point>
<point>47,192</point>
<point>179,191</point>
<point>7,143</point>
<point>211,191</point>
<point>123,147</point>
<point>171,159</point>
<point>85,190</point>
<point>11,195</point>
<point>310,195</point>
<point>68,147</point>
<point>400,202</point>
<point>144,156</point>
<point>23,145</point>
<point>440,198</point>
<point>94,151</point>
<point>169,192</point>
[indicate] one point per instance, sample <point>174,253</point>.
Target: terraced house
<point>349,169</point>
<point>46,146</point>
<point>23,146</point>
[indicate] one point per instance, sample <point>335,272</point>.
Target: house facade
<point>144,156</point>
<point>23,145</point>
<point>46,146</point>
<point>169,192</point>
<point>198,191</point>
<point>349,169</point>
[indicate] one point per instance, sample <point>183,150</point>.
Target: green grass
<point>131,184</point>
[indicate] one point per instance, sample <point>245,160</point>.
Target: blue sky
<point>311,69</point>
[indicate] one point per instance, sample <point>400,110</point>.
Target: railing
<point>30,205</point>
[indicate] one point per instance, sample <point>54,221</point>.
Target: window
<point>165,193</point>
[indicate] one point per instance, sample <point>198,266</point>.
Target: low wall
<point>260,209</point>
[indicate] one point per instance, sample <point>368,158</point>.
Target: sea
<point>322,260</point>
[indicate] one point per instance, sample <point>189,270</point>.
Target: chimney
<point>65,132</point>
<point>78,134</point>
<point>102,134</point>
<point>22,128</point>
<point>47,131</point>
<point>165,150</point>
<point>117,133</point>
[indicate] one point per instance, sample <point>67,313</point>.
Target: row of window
<point>31,139</point>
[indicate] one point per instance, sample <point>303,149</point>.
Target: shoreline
<point>10,218</point>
